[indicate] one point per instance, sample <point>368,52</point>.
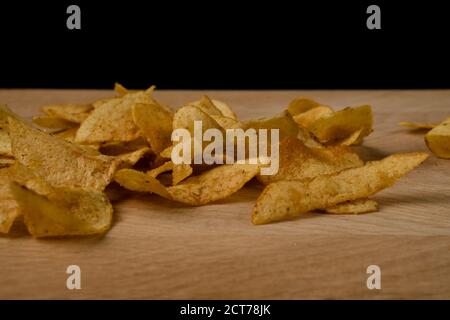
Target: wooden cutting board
<point>160,250</point>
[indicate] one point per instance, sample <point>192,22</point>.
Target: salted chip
<point>287,199</point>
<point>141,182</point>
<point>418,125</point>
<point>282,121</point>
<point>341,124</point>
<point>167,166</point>
<point>131,158</point>
<point>307,118</point>
<point>354,207</point>
<point>51,122</point>
<point>300,105</point>
<point>297,161</point>
<point>113,120</point>
<point>180,172</point>
<point>155,123</point>
<point>62,163</point>
<point>75,113</point>
<point>215,184</point>
<point>9,210</point>
<point>438,140</point>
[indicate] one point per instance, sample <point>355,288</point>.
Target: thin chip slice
<point>67,134</point>
<point>120,89</point>
<point>9,210</point>
<point>300,105</point>
<point>180,172</point>
<point>51,122</point>
<point>6,162</point>
<point>228,123</point>
<point>167,166</point>
<point>207,106</point>
<point>131,158</point>
<point>418,125</point>
<point>61,163</point>
<point>141,182</point>
<point>282,121</point>
<point>290,198</point>
<point>352,139</point>
<point>215,184</point>
<point>297,161</point>
<point>166,153</point>
<point>155,123</point>
<point>224,109</point>
<point>307,118</point>
<point>354,207</point>
<point>343,123</point>
<point>75,113</point>
<point>438,140</point>
<point>5,143</point>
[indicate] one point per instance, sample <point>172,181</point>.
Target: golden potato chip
<point>100,102</point>
<point>75,113</point>
<point>112,121</point>
<point>120,89</point>
<point>131,158</point>
<point>290,198</point>
<point>343,123</point>
<point>207,106</point>
<point>8,206</point>
<point>6,162</point>
<point>115,148</point>
<point>300,105</point>
<point>215,184</point>
<point>155,123</point>
<point>141,182</point>
<point>67,134</point>
<point>61,163</point>
<point>166,153</point>
<point>307,118</point>
<point>297,161</point>
<point>228,123</point>
<point>438,140</point>
<point>50,122</point>
<point>167,166</point>
<point>354,207</point>
<point>224,109</point>
<point>282,121</point>
<point>180,172</point>
<point>418,125</point>
<point>5,143</point>
<point>353,138</point>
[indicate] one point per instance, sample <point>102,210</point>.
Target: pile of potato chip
<point>63,177</point>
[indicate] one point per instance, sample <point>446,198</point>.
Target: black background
<point>225,45</point>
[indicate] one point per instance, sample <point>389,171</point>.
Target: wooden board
<point>159,250</point>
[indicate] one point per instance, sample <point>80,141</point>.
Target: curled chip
<point>180,172</point>
<point>290,198</point>
<point>438,139</point>
<point>228,123</point>
<point>167,166</point>
<point>120,89</point>
<point>300,105</point>
<point>354,207</point>
<point>155,123</point>
<point>141,182</point>
<point>5,143</point>
<point>51,122</point>
<point>131,158</point>
<point>61,162</point>
<point>215,184</point>
<point>307,118</point>
<point>112,120</point>
<point>282,121</point>
<point>418,125</point>
<point>67,134</point>
<point>75,113</point>
<point>341,124</point>
<point>8,206</point>
<point>207,106</point>
<point>61,211</point>
<point>297,161</point>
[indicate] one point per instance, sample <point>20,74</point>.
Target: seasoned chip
<point>207,106</point>
<point>438,140</point>
<point>290,198</point>
<point>297,161</point>
<point>418,125</point>
<point>224,109</point>
<point>228,123</point>
<point>167,166</point>
<point>51,122</point>
<point>5,143</point>
<point>180,172</point>
<point>300,105</point>
<point>341,124</point>
<point>282,121</point>
<point>354,207</point>
<point>8,206</point>
<point>307,118</point>
<point>62,163</point>
<point>75,113</point>
<point>155,123</point>
<point>131,158</point>
<point>141,182</point>
<point>67,134</point>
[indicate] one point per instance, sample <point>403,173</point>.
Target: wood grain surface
<point>161,250</point>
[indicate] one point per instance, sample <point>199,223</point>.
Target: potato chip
<point>141,182</point>
<point>155,123</point>
<point>112,121</point>
<point>6,162</point>
<point>180,172</point>
<point>290,198</point>
<point>61,163</point>
<point>8,206</point>
<point>343,123</point>
<point>166,153</point>
<point>120,89</point>
<point>115,148</point>
<point>5,143</point>
<point>354,207</point>
<point>50,122</point>
<point>207,106</point>
<point>75,113</point>
<point>418,125</point>
<point>224,109</point>
<point>297,161</point>
<point>215,184</point>
<point>300,105</point>
<point>282,121</point>
<point>354,138</point>
<point>67,134</point>
<point>438,140</point>
<point>167,166</point>
<point>228,123</point>
<point>307,118</point>
<point>131,158</point>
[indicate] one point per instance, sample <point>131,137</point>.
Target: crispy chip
<point>180,172</point>
<point>120,89</point>
<point>290,198</point>
<point>300,105</point>
<point>224,109</point>
<point>354,207</point>
<point>215,184</point>
<point>167,166</point>
<point>60,162</point>
<point>139,181</point>
<point>51,122</point>
<point>131,158</point>
<point>354,138</point>
<point>228,123</point>
<point>155,123</point>
<point>307,118</point>
<point>67,134</point>
<point>112,121</point>
<point>297,161</point>
<point>166,153</point>
<point>418,125</point>
<point>5,143</point>
<point>8,206</point>
<point>5,162</point>
<point>438,140</point>
<point>207,106</point>
<point>75,113</point>
<point>341,124</point>
<point>282,121</point>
